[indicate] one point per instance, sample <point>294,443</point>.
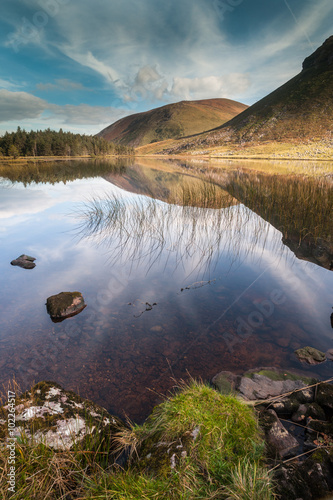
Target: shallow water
<point>171,291</point>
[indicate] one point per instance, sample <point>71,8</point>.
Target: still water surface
<point>171,290</point>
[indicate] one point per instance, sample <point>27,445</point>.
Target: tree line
<point>51,143</point>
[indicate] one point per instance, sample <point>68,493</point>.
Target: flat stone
<point>262,387</point>
<point>65,305</point>
<point>24,261</point>
<point>310,355</point>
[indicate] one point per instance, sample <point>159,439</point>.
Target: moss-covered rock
<point>310,355</point>
<point>226,382</point>
<point>60,419</point>
<point>197,430</point>
<point>64,305</point>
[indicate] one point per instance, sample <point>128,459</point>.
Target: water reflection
<point>145,231</point>
<point>172,266</point>
<point>52,172</point>
<point>300,207</point>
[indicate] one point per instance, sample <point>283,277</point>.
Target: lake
<point>187,269</point>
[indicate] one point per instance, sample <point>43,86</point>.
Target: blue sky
<point>83,64</point>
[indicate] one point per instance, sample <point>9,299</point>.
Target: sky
<point>80,65</point>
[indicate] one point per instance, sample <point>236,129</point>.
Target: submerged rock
<point>329,354</point>
<point>226,382</point>
<point>310,355</point>
<point>60,419</point>
<point>65,305</point>
<point>24,261</point>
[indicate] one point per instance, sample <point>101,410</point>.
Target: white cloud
<point>20,105</point>
<point>89,60</point>
<point>210,86</point>
<point>150,53</point>
<point>83,114</point>
<point>23,106</point>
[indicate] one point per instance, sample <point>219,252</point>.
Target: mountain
<point>298,111</point>
<point>170,121</point>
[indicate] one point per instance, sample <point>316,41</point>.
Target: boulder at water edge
<point>60,419</point>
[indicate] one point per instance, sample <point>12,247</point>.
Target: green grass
<point>197,444</point>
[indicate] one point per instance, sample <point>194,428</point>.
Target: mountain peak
<point>172,120</point>
<point>322,57</point>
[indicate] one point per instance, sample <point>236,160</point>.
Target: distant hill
<point>170,121</point>
<point>298,111</point>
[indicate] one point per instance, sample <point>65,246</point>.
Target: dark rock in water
<point>24,261</point>
<point>281,442</point>
<point>65,305</point>
<point>325,396</point>
<point>312,410</point>
<point>290,484</point>
<point>311,480</point>
<point>310,355</point>
<point>285,407</point>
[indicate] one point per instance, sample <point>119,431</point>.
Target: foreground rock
<point>310,355</point>
<point>64,305</point>
<point>60,419</point>
<point>24,261</point>
<point>283,399</point>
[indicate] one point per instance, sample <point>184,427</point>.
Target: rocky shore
<point>295,415</point>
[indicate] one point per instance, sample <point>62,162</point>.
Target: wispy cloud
<point>147,53</point>
<point>62,84</point>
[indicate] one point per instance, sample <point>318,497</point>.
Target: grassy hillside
<point>170,121</point>
<point>299,112</point>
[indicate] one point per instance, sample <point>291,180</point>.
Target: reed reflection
<point>146,231</point>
